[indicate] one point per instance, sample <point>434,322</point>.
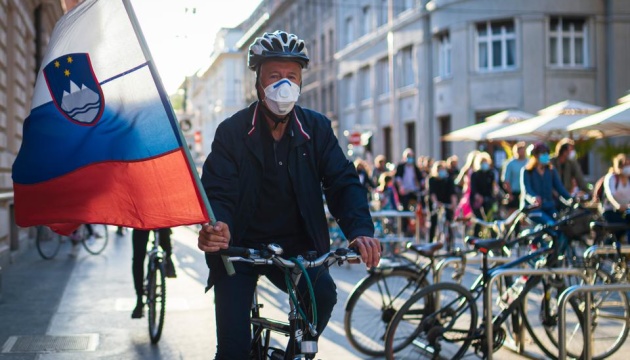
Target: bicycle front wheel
<point>156,299</point>
<point>437,322</point>
<point>47,242</point>
<point>96,243</point>
<point>373,303</point>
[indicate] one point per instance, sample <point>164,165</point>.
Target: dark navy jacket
<point>233,172</point>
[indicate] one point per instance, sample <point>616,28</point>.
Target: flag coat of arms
<point>101,144</point>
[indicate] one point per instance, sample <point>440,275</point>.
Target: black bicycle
<point>94,239</point>
<point>442,320</point>
<point>300,328</point>
<point>155,289</point>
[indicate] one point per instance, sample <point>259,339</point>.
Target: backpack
<point>598,189</point>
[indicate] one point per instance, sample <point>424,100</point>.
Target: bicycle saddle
<point>427,250</point>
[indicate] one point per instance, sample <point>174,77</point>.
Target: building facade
<point>25,28</point>
<point>405,72</point>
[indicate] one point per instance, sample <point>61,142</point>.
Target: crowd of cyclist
<point>531,175</point>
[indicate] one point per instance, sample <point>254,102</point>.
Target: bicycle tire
<point>539,325</point>
<point>156,299</point>
<point>609,328</point>
<point>368,305</point>
<point>96,243</point>
<point>47,242</point>
<point>440,319</point>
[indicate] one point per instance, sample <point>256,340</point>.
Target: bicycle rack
<point>476,260</point>
<point>488,299</point>
<point>605,250</point>
<point>562,309</point>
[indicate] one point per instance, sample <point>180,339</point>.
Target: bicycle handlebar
<point>271,256</point>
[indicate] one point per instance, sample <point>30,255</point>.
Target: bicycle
<point>443,228</point>
<point>48,242</point>
<point>155,289</point>
<point>300,327</point>
<point>376,298</point>
<point>441,319</point>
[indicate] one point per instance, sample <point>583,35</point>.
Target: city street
<point>80,308</point>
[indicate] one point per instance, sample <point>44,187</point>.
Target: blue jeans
<point>233,297</point>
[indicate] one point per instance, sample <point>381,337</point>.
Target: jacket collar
<point>297,130</point>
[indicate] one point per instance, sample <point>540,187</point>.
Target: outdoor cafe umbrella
<point>479,131</point>
<point>551,122</point>
<point>614,121</point>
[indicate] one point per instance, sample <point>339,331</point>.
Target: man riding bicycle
<point>264,178</point>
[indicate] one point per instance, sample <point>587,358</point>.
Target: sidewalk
<point>80,308</point>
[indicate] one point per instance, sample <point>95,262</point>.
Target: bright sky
<point>181,42</point>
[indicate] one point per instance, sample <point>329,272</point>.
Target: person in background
<point>441,191</point>
<point>363,170</point>
<point>511,176</point>
<point>267,169</point>
<point>452,166</point>
<point>380,166</point>
<point>464,210</point>
<point>539,180</point>
<point>408,179</point>
<point>567,166</point>
<point>616,198</point>
<point>139,241</point>
<point>482,185</point>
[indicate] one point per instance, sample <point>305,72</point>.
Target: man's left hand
<point>369,248</point>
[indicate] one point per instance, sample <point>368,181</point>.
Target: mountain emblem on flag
<point>74,88</point>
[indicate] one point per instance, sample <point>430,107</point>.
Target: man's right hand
<point>213,238</point>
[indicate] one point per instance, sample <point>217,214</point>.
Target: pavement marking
<point>51,343</point>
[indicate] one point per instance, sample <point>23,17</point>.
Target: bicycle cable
<point>310,290</point>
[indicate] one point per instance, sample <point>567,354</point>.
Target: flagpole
<point>229,267</point>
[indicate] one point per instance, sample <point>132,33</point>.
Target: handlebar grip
<point>235,251</point>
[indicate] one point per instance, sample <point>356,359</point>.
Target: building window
<point>410,131</point>
<point>496,46</point>
<point>444,55</point>
<point>387,143</point>
<point>401,6</point>
<point>331,100</point>
<point>382,14</point>
<point>364,83</point>
<point>382,76</point>
<point>348,91</point>
<point>366,23</point>
<point>331,44</point>
<point>567,42</point>
<point>348,30</point>
<point>446,148</point>
<point>322,45</point>
<point>406,65</point>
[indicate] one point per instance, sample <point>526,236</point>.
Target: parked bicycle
<point>376,298</point>
<point>93,237</point>
<point>155,288</point>
<point>441,319</point>
<point>300,327</point>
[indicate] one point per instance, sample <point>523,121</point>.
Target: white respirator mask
<point>281,96</point>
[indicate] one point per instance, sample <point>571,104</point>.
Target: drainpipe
<point>610,76</point>
<point>430,107</point>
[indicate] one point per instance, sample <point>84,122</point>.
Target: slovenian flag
<point>101,144</point>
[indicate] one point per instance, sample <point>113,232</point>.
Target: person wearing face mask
<point>482,188</point>
<point>264,177</point>
<point>409,182</point>
<point>539,179</point>
<point>565,163</point>
<point>441,191</point>
<point>616,199</point>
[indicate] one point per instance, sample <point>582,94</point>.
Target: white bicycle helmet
<point>277,45</point>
